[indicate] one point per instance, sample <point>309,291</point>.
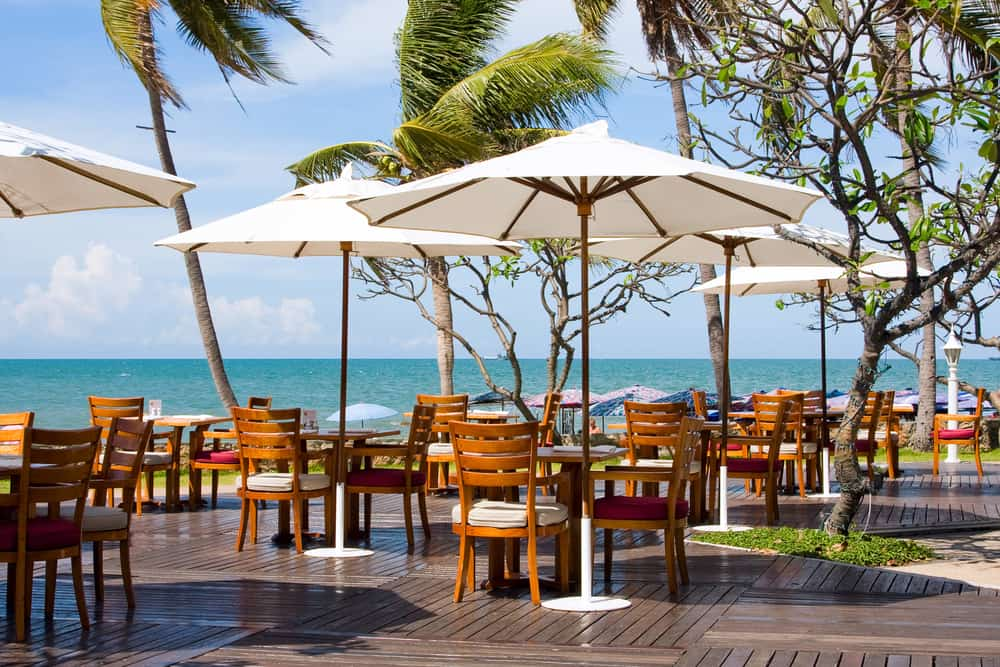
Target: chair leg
<point>536,594</point>
<point>194,489</point>
<point>668,548</point>
<point>368,518</point>
<point>564,561</point>
<point>463,564</point>
<point>11,586</point>
<point>50,588</point>
<point>328,518</point>
<point>297,519</point>
<point>979,460</point>
<point>126,568</point>
<point>81,602</point>
<point>424,520</point>
<point>937,454</point>
<point>241,534</point>
<point>253,523</point>
<point>800,464</point>
<point>407,520</point>
<point>138,496</point>
<point>215,488</point>
<point>681,555</point>
<point>609,544</point>
<point>98,548</point>
<point>432,473</point>
<point>470,580</point>
<point>22,599</point>
<point>150,486</point>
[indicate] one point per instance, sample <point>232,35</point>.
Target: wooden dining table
<point>177,424</point>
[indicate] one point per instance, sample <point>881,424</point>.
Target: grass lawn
<point>869,550</point>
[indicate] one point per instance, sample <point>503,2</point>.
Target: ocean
<point>57,389</point>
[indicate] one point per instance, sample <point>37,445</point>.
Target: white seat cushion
<point>149,458</point>
<point>500,514</point>
<point>789,448</point>
<point>95,519</point>
<point>440,449</point>
<point>693,468</point>
<point>282,482</point>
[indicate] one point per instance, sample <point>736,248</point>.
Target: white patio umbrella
<point>580,185</point>
<point>821,280</point>
<point>40,175</point>
<point>751,246</point>
<point>315,221</point>
<point>359,412</point>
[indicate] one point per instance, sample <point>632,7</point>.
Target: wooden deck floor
<point>202,603</point>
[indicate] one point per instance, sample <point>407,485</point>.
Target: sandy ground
<point>970,557</point>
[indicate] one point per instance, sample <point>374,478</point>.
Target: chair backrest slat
<point>775,415</point>
<point>448,408</point>
<point>685,451</point>
<point>56,467</point>
<point>421,433</point>
<point>12,427</point>
<point>650,426</point>
<point>699,403</point>
<point>105,408</point>
<point>547,425</point>
<point>268,435</point>
<point>259,402</point>
<point>494,457</point>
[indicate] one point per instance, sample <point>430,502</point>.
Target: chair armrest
<point>751,440</point>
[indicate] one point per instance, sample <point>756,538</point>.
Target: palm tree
<point>458,106</point>
<point>233,34</point>
<point>669,30</point>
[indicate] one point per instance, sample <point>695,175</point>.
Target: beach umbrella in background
<point>41,175</point>
<point>750,281</point>
<point>745,246</point>
<point>581,185</point>
<point>315,221</point>
<point>359,412</point>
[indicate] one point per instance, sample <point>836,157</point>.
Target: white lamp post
<point>952,353</point>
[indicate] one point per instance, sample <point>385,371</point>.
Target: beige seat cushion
<point>282,482</point>
<point>440,449</point>
<point>789,448</point>
<point>693,468</point>
<point>95,519</point>
<point>500,514</point>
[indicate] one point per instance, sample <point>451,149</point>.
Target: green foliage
<point>868,550</point>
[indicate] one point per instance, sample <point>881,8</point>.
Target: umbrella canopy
<point>313,221</point>
<point>750,281</point>
<point>635,392</point>
<point>359,412</point>
<point>487,397</point>
<point>41,175</point>
<point>751,246</point>
<point>571,398</point>
<point>580,185</point>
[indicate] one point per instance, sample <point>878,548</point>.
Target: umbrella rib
<point>300,250</point>
<point>740,198</point>
<point>662,246</point>
<point>595,192</point>
<point>546,187</point>
<point>196,246</point>
<point>420,250</point>
<point>98,179</point>
<point>572,186</point>
<point>645,211</point>
<point>423,202</point>
<point>747,289</point>
<point>624,184</point>
<point>520,212</point>
<point>18,213</point>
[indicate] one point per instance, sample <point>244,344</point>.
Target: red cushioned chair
<point>55,468</point>
<point>406,481</point>
<point>867,441</point>
<point>964,434</point>
<point>651,512</point>
<point>760,462</point>
<point>219,457</point>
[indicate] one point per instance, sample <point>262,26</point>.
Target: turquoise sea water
<point>57,389</point>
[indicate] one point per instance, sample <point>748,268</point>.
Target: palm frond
<point>124,21</point>
<point>327,163</point>
<point>440,139</point>
<point>547,82</point>
<point>971,24</point>
<point>443,41</point>
<point>681,22</point>
<point>595,16</point>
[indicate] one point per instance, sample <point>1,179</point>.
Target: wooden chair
<point>447,408</point>
<point>759,461</point>
<point>699,403</point>
<point>546,431</point>
<point>652,512</point>
<point>406,481</point>
<point>103,409</point>
<point>56,467</point>
<point>274,437</point>
<point>866,442</point>
<point>799,455</point>
<point>494,460</point>
<point>12,428</point>
<point>218,458</point>
<point>965,433</point>
<point>887,434</point>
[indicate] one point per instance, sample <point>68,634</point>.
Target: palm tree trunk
<point>199,296</point>
<point>441,295</point>
<point>713,312</point>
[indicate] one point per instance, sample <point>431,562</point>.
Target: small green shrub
<point>860,549</point>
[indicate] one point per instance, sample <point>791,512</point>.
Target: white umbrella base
<point>337,552</point>
<point>718,528</point>
<point>582,604</point>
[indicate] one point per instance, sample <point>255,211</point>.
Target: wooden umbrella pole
<point>724,392</point>
<point>341,463</point>
<point>824,428</point>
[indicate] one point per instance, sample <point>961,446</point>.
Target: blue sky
<point>92,284</point>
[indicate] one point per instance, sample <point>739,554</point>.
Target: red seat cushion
<point>733,448</point>
<point>862,445</point>
<point>383,477</point>
<point>956,433</point>
<point>224,456</point>
<point>43,534</point>
<point>641,508</point>
<point>747,465</point>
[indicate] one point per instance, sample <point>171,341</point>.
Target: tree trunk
<point>196,280</point>
<point>713,312</point>
<point>438,271</point>
<point>853,484</point>
<point>927,368</point>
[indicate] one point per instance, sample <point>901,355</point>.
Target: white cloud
<point>79,295</point>
<point>253,321</point>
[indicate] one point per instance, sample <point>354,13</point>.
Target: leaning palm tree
<point>458,106</point>
<point>234,35</point>
<point>670,29</point>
